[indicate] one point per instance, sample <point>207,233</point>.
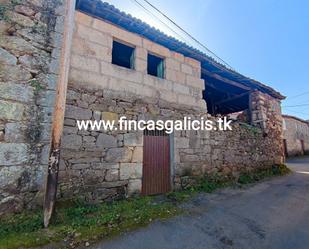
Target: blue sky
<point>267,40</point>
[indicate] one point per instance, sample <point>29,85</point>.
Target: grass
<point>76,222</point>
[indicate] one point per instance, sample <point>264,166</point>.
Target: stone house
<point>295,136</point>
<point>118,66</point>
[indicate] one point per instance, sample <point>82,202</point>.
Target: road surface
<point>273,214</point>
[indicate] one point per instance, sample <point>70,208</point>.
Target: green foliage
<point>275,170</point>
<point>79,221</point>
<point>252,129</point>
<point>3,9</point>
<point>36,85</point>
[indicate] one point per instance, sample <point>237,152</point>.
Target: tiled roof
<point>105,11</point>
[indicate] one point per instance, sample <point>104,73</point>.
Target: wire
<point>292,111</point>
<point>298,95</point>
<point>306,104</point>
<point>149,12</point>
<point>184,31</point>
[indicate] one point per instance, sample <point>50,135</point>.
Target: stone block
<point>83,18</point>
<point>175,76</point>
<point>110,116</point>
<point>19,92</point>
<point>86,48</point>
<point>187,100</point>
<point>7,58</point>
<point>180,88</point>
<point>168,96</point>
<point>72,141</point>
<point>17,46</point>
<point>22,20</point>
<point>195,82</point>
<point>103,165</point>
<point>77,113</point>
<point>133,139</point>
<point>14,73</point>
<point>172,64</point>
<point>112,175</point>
<point>131,171</point>
<point>106,141</point>
<point>193,62</point>
<point>181,142</point>
<point>11,110</point>
<point>97,115</point>
<point>85,63</point>
<point>4,26</point>
<point>140,65</point>
<point>88,80</point>
<point>137,156</point>
<point>156,48</point>
<point>104,27</point>
<point>24,10</point>
<point>122,154</point>
<point>15,132</point>
<point>186,69</point>
<point>177,56</point>
<point>141,53</point>
<point>13,153</point>
<point>128,37</point>
<point>121,72</point>
<point>69,122</point>
<point>134,187</point>
<point>93,35</point>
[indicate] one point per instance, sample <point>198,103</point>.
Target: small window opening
<point>155,66</point>
<point>123,55</point>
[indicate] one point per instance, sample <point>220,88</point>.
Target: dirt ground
<point>270,214</point>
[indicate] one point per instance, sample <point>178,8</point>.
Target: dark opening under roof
<point>212,68</point>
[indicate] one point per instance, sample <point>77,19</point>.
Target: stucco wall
<point>294,131</point>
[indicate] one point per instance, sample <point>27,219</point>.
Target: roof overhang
<point>107,12</point>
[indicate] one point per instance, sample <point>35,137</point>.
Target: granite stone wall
<point>103,165</point>
<point>30,38</point>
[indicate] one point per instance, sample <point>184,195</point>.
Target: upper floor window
<point>155,66</point>
<point>123,55</point>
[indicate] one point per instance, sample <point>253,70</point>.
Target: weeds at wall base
<point>76,222</point>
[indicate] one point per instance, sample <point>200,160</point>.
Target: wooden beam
<point>232,98</point>
<point>227,81</point>
<point>58,116</point>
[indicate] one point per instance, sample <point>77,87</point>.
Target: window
<point>123,55</point>
<point>155,66</point>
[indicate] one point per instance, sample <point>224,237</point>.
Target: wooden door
<point>156,163</point>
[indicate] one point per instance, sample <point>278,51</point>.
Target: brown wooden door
<point>156,163</point>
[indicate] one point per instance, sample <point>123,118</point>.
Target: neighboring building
<point>121,66</point>
<point>295,135</point>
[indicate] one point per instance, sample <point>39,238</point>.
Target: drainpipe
<point>58,116</point>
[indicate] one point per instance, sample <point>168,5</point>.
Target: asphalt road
<point>271,214</point>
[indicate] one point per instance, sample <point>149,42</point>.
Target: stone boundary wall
<point>294,131</point>
<point>30,41</point>
<point>103,165</point>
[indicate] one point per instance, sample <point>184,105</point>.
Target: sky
<point>267,40</point>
